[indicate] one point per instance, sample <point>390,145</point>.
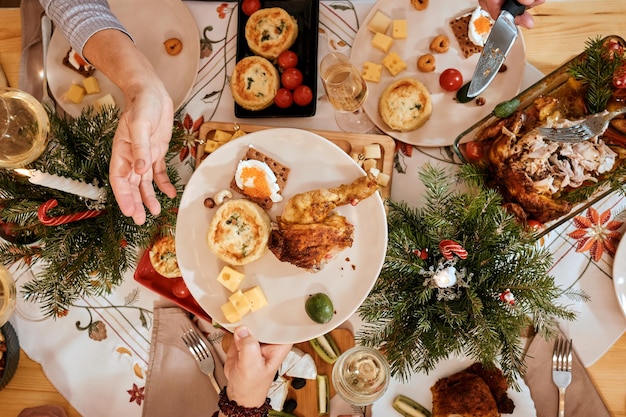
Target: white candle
<point>68,185</point>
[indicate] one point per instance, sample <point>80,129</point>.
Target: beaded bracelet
<point>230,408</point>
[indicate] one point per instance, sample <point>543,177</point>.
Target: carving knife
<point>501,38</point>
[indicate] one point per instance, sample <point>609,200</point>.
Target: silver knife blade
<point>501,39</point>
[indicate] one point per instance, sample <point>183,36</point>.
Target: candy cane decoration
<point>449,248</point>
<point>63,219</point>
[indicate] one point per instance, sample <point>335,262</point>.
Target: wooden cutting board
<point>307,397</point>
<point>349,142</point>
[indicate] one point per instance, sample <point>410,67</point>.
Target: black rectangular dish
<point>306,12</point>
<point>473,146</point>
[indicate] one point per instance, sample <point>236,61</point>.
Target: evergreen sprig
<point>87,257</point>
<point>416,328</point>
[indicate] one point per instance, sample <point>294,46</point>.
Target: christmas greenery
<point>87,257</point>
<point>418,323</point>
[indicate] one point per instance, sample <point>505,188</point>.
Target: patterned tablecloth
<point>97,355</point>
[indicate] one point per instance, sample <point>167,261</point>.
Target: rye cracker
<point>460,27</point>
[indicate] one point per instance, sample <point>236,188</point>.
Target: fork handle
<point>561,402</point>
<point>214,383</point>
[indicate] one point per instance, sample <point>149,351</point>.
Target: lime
<point>319,308</point>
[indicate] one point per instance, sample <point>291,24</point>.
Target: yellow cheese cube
<point>211,146</point>
<point>91,85</point>
<point>230,312</point>
<point>241,303</point>
<point>106,100</point>
<point>399,29</point>
<point>221,136</point>
<point>238,133</point>
<point>256,297</point>
<point>368,164</point>
<point>358,157</point>
<point>379,23</point>
<point>382,41</point>
<point>372,151</point>
<point>382,179</point>
<point>75,94</point>
<point>372,71</point>
<point>230,278</point>
<point>394,63</point>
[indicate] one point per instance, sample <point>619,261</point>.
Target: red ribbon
<point>449,247</point>
<point>65,218</point>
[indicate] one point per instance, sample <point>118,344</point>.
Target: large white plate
<point>150,23</point>
<point>449,118</point>
<point>314,162</point>
<point>619,275</point>
<point>418,388</point>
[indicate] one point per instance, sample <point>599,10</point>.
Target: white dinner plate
<point>347,279</point>
<point>418,389</point>
<point>150,23</point>
<point>619,275</point>
<point>449,118</point>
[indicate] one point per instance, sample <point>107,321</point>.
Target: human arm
<point>525,20</point>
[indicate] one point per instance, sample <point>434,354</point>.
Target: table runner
<point>97,356</point>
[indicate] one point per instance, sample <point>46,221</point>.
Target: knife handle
<point>514,7</point>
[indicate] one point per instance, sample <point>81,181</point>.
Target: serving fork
<point>593,125</point>
<point>562,369</point>
<point>201,352</point>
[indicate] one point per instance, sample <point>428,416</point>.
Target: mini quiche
<point>238,232</point>
<point>271,31</point>
<point>163,257</point>
<point>405,105</point>
<point>254,83</point>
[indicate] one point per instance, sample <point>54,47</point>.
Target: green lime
<point>319,308</point>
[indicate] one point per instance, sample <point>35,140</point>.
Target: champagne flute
<point>347,91</point>
<point>24,128</point>
<point>361,375</point>
<point>7,295</point>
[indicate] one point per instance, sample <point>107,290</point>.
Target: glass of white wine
<point>7,295</point>
<point>24,128</point>
<point>347,91</point>
<point>361,375</point>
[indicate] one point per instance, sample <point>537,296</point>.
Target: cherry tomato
<point>250,6</point>
<point>180,290</point>
<point>473,151</point>
<point>534,225</point>
<point>291,78</point>
<point>284,98</point>
<point>619,78</point>
<point>451,79</point>
<point>302,95</point>
<point>287,59</point>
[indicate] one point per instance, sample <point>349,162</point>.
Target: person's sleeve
<point>80,19</point>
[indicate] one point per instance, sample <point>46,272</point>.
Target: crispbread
<point>75,65</point>
<point>280,171</point>
<point>460,27</point>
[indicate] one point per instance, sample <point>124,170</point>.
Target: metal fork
<point>562,369</point>
<point>593,125</point>
<point>201,352</point>
<point>46,34</point>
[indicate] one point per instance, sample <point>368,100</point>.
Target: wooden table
<point>562,27</point>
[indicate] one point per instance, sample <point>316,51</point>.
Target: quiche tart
<point>163,257</point>
<point>254,83</point>
<point>405,105</point>
<point>271,31</point>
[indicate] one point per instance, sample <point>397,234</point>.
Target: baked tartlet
<point>271,31</point>
<point>163,257</point>
<point>405,105</point>
<point>254,83</point>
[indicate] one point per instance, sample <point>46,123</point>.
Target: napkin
<point>581,397</point>
<point>31,63</point>
<point>43,411</point>
<point>175,386</point>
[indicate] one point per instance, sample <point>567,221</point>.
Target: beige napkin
<point>175,386</point>
<point>31,63</point>
<point>581,397</point>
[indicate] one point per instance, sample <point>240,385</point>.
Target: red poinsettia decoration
<point>596,233</point>
<point>136,394</point>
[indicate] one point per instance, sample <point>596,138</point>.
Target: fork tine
<point>199,343</point>
<point>569,355</point>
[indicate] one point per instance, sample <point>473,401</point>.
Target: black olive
<point>298,383</point>
<point>290,405</point>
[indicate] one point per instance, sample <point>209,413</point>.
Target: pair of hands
<point>525,20</point>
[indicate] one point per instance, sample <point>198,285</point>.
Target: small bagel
<point>426,63</point>
<point>440,44</point>
<point>419,4</point>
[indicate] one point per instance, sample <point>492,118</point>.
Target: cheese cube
<point>256,297</point>
<point>368,164</point>
<point>382,41</point>
<point>91,85</point>
<point>221,136</point>
<point>394,63</point>
<point>230,312</point>
<point>241,303</point>
<point>379,23</point>
<point>371,71</point>
<point>399,29</point>
<point>238,133</point>
<point>106,100</point>
<point>211,146</point>
<point>358,157</point>
<point>230,278</point>
<point>372,151</point>
<point>382,179</point>
<point>75,94</point>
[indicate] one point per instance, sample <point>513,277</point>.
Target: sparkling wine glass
<point>347,91</point>
<point>24,128</point>
<point>361,375</point>
<point>7,295</point>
